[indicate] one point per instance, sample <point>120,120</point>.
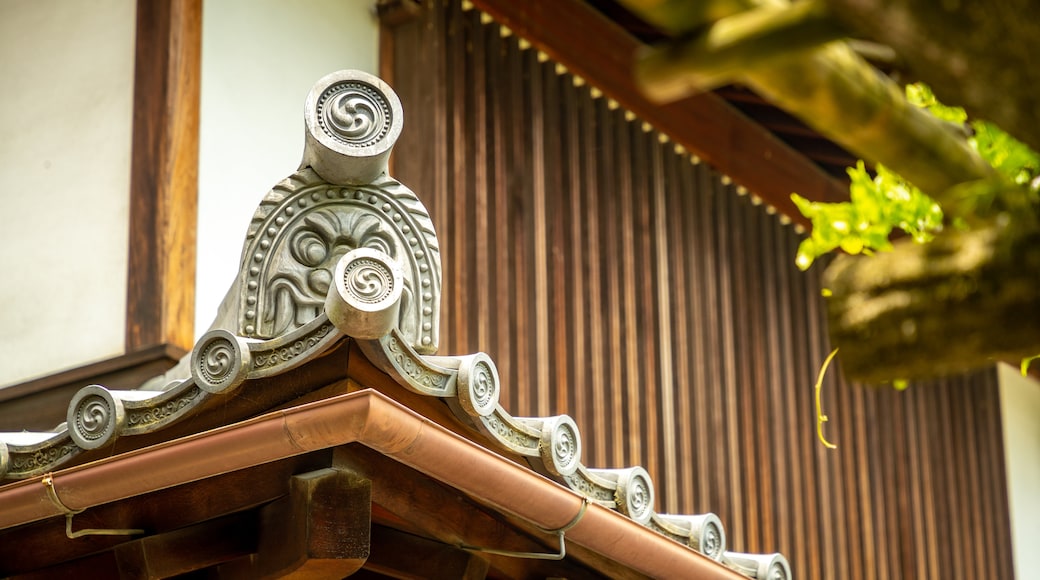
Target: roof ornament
<point>341,214</point>
<point>353,120</point>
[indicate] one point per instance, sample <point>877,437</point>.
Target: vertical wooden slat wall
<point>619,281</point>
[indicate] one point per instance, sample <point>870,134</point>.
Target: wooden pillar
<point>164,174</point>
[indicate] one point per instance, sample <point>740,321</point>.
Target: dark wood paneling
<point>615,278</point>
<point>596,49</point>
<point>164,175</point>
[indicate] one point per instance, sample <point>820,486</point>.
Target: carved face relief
<point>305,258</point>
<point>297,239</point>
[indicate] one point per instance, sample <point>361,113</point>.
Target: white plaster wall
<point>66,70</point>
<point>259,61</point>
<point>1020,412</point>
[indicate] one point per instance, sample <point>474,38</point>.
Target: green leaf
<point>806,254</point>
<point>920,95</point>
<point>878,203</point>
<point>852,245</point>
<point>804,206</point>
<point>1010,157</point>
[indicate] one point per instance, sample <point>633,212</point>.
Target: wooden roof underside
<point>219,524</point>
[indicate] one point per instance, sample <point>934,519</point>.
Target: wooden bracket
<point>320,530</point>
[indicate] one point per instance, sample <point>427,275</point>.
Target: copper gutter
<point>376,421</point>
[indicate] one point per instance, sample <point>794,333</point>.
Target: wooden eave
<point>223,515</point>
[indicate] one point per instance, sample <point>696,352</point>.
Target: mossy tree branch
<point>963,301</point>
<point>729,47</point>
<point>977,55</point>
<point>958,303</point>
<point>830,87</point>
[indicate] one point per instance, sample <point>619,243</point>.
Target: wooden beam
<point>402,555</point>
<point>428,506</point>
<point>321,530</point>
<point>164,174</point>
<point>604,55</point>
<point>43,544</point>
<point>188,549</point>
<point>100,565</point>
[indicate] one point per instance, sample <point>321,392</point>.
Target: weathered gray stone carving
<point>31,454</point>
<point>366,294</point>
<point>339,249</point>
<point>353,120</point>
<point>478,385</point>
<point>633,491</point>
<point>703,533</point>
<point>296,240</point>
<point>220,361</point>
<point>761,566</point>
